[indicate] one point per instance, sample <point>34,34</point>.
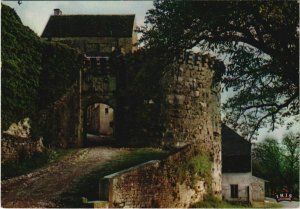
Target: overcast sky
<point>35,14</point>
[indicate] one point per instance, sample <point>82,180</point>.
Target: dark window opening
<point>93,63</point>
<point>92,48</point>
<point>234,190</point>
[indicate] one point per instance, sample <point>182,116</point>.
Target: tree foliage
<point>60,65</point>
<point>278,162</point>
<point>20,68</point>
<point>258,41</point>
<point>34,73</point>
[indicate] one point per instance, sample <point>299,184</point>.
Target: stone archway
<point>64,120</point>
<point>92,99</point>
<point>97,85</point>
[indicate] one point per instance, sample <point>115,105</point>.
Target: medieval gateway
<point>190,108</point>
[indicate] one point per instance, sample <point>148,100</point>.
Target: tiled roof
<point>89,26</point>
<point>236,152</point>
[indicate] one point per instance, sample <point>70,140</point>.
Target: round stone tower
<point>191,109</point>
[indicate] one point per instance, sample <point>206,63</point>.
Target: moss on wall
<point>198,168</point>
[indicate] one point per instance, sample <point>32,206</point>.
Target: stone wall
<point>127,44</point>
<point>59,122</point>
<point>191,109</point>
<point>13,148</point>
<point>250,188</point>
<point>192,123</point>
<point>155,184</point>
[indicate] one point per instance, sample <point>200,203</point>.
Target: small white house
<point>238,183</point>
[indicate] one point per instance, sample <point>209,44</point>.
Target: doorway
<point>99,122</point>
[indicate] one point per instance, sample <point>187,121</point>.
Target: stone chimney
<point>57,12</point>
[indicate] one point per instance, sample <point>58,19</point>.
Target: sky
<point>35,14</point>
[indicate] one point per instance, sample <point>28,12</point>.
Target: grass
<point>199,165</point>
<point>88,186</point>
<point>211,202</point>
<point>266,205</point>
<point>26,165</point>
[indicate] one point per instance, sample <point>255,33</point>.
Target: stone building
<point>98,38</point>
<point>92,34</point>
<point>190,113</point>
<point>238,183</point>
<point>100,119</point>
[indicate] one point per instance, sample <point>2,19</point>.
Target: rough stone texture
<point>191,114</point>
<point>20,129</point>
<point>154,184</point>
<point>250,188</point>
<point>64,121</point>
<point>192,108</point>
<point>59,121</point>
<point>13,148</point>
<point>56,185</point>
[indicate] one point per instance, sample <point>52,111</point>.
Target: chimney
<point>57,12</point>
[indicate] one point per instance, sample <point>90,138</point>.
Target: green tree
<point>268,162</point>
<point>278,162</point>
<point>291,154</point>
<point>259,41</point>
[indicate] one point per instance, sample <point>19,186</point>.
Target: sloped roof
<point>236,151</point>
<point>89,26</point>
<point>233,143</point>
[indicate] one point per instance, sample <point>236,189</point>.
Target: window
<point>92,47</point>
<point>234,190</point>
<point>106,110</point>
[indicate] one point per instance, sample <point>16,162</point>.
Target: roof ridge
<point>90,25</point>
<point>94,15</point>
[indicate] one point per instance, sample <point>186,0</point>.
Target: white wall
<point>105,119</point>
<point>243,180</point>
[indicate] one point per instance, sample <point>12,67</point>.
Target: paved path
<point>285,204</point>
<point>290,204</point>
<point>43,187</point>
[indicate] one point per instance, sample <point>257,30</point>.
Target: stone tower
<point>191,109</point>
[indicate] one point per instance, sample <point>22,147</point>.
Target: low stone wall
<point>13,148</point>
<point>155,184</point>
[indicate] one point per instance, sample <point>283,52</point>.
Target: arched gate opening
<point>99,123</point>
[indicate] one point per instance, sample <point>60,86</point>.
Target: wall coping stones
<point>131,169</point>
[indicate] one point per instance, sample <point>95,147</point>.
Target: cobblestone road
<point>43,187</point>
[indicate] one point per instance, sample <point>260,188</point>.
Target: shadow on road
<point>95,141</point>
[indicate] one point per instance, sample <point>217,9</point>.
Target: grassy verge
<point>266,205</point>
<point>211,202</point>
<point>27,165</point>
<point>88,186</point>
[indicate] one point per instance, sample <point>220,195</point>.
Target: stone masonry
<point>191,115</point>
<point>154,184</point>
<point>192,108</point>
